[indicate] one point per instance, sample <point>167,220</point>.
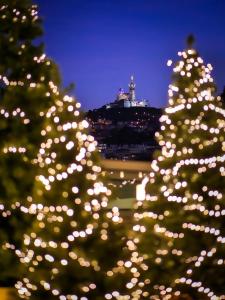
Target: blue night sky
<point>98,44</point>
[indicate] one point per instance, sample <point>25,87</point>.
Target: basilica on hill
<point>125,128</point>
<point>127,99</point>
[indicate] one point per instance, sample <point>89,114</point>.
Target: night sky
<point>98,44</point>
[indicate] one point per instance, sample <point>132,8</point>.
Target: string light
<point>39,250</point>
<point>184,202</point>
<point>70,200</point>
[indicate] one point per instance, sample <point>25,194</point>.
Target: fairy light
<point>65,155</point>
<point>192,140</point>
<point>11,113</point>
<point>79,146</point>
<point>67,168</point>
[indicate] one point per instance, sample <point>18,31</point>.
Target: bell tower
<point>132,85</point>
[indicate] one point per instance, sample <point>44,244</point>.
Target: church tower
<point>132,96</point>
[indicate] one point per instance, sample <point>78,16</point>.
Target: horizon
<point>99,44</point>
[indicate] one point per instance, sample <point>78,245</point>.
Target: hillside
<point>123,114</point>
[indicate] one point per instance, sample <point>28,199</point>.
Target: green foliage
<point>76,246</point>
<point>45,153</point>
<point>25,96</point>
<point>182,219</point>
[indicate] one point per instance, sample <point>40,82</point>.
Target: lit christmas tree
<point>181,222</point>
<point>25,75</point>
<point>75,249</point>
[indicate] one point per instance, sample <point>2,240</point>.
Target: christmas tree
<point>181,222</point>
<point>76,248</point>
<point>25,96</point>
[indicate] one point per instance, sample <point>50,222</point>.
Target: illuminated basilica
<point>128,99</point>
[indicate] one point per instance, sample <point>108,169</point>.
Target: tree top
<point>190,41</point>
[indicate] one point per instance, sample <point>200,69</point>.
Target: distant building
<point>127,99</point>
